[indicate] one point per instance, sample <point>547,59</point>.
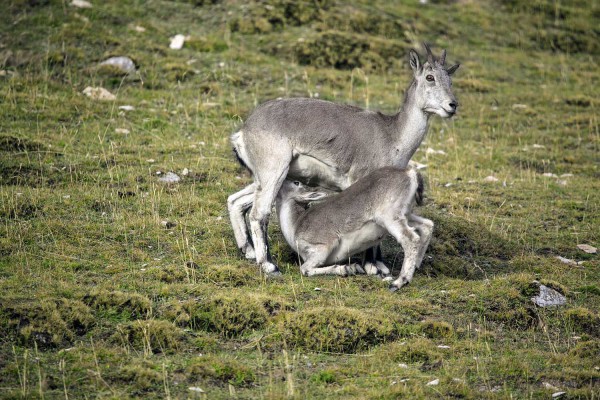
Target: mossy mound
<point>340,329</point>
<point>462,249</point>
<point>142,375</point>
<point>150,336</point>
<point>229,315</point>
<point>230,276</point>
<point>584,320</point>
<point>507,302</point>
<point>47,322</point>
<point>347,50</point>
<point>437,329</point>
<point>127,305</point>
<point>587,349</point>
<point>220,371</point>
<point>413,350</point>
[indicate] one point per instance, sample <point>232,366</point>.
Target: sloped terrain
<point>115,284</point>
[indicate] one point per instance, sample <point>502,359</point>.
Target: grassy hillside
<point>116,285</point>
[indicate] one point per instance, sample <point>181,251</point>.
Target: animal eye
<point>297,183</point>
<point>430,78</point>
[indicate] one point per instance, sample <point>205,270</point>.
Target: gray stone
<point>169,177</point>
<point>549,297</point>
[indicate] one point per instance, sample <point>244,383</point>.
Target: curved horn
<point>443,57</point>
<point>430,57</point>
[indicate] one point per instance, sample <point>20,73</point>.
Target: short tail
<point>239,150</point>
<point>419,195</point>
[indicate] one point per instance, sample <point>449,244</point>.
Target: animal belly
<point>313,172</point>
<point>355,242</point>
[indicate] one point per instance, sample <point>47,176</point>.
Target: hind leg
<point>373,262</point>
<point>315,256</point>
<point>270,172</point>
<point>424,227</point>
<point>238,204</point>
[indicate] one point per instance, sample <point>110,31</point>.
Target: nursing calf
<point>327,234</point>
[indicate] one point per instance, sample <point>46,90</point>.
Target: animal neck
<point>288,212</point>
<point>411,127</point>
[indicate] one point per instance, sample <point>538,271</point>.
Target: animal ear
<point>313,196</point>
<point>415,64</point>
<point>452,69</point>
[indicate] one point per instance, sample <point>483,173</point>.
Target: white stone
<point>433,382</point>
<point>558,394</point>
<point>169,177</point>
<point>567,261</point>
<point>177,42</point>
<point>490,178</point>
<point>195,389</point>
<point>81,4</point>
<point>124,131</point>
<point>587,248</point>
<point>127,108</point>
<point>123,63</point>
<point>99,93</point>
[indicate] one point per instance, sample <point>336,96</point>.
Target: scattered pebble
<point>549,297</point>
<point>443,346</point>
<point>81,4</point>
<point>169,177</point>
<point>432,151</point>
<point>99,93</point>
<point>404,380</point>
<point>317,289</point>
<point>576,337</point>
<point>168,224</point>
<point>538,146</point>
<point>549,386</point>
<point>519,106</point>
<point>124,131</point>
<point>549,175</point>
<point>433,382</point>
<point>417,165</point>
<point>140,29</point>
<point>195,389</point>
<point>127,108</point>
<point>566,260</point>
<point>124,64</point>
<point>185,172</point>
<point>402,365</point>
<point>67,196</point>
<point>151,160</point>
<point>587,248</point>
<point>490,178</point>
<point>566,175</point>
<point>458,380</point>
<point>448,184</point>
<point>177,42</point>
<point>558,394</point>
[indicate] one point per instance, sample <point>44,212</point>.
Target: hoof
<point>371,269</point>
<point>249,253</point>
<point>394,288</point>
<point>269,268</point>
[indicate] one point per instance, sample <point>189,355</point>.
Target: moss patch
<point>343,330</point>
<point>128,305</point>
<point>220,371</point>
<point>150,336</point>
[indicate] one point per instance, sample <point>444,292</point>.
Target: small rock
<point>404,380</point>
<point>169,177</point>
<point>566,175</point>
<point>177,42</point>
<point>549,297</point>
<point>587,248</point>
<point>122,63</point>
<point>151,160</point>
<point>317,289</point>
<point>448,184</point>
<point>168,224</point>
<point>99,93</point>
<point>519,106</point>
<point>549,175</point>
<point>558,394</point>
<point>124,131</point>
<point>140,29</point>
<point>81,4</point>
<point>443,346</point>
<point>195,389</point>
<point>549,386</point>
<point>433,151</point>
<point>538,146</point>
<point>185,172</point>
<point>402,365</point>
<point>127,108</point>
<point>490,178</point>
<point>433,382</point>
<point>566,260</point>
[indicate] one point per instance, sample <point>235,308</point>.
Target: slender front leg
<point>410,241</point>
<point>425,228</point>
<point>373,262</point>
<point>238,204</point>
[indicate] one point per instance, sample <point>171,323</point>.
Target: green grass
<point>115,285</point>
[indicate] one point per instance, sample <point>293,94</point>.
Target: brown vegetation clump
<point>133,305</point>
<point>584,321</point>
<point>151,336</point>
